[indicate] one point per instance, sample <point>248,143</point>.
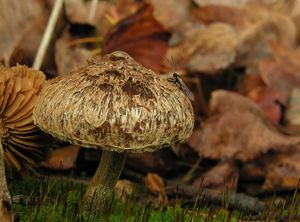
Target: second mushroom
<point>116,105</point>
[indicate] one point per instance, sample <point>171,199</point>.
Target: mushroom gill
<point>20,138</point>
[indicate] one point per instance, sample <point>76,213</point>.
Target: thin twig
<point>239,201</point>
<point>191,172</point>
<point>47,34</point>
<point>84,40</point>
<point>93,10</point>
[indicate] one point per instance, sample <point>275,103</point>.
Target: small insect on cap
<point>115,104</point>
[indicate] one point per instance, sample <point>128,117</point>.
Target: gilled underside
<point>21,139</point>
<point>115,104</point>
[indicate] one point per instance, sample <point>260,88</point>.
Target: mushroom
<point>20,139</point>
<point>116,105</point>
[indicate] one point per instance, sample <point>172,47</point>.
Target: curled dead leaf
<point>283,174</point>
<point>276,170</point>
<point>5,212</point>
<point>161,161</point>
<point>229,38</point>
<point>239,133</point>
<point>281,73</point>
<point>77,11</point>
<point>69,58</point>
<point>267,98</point>
<point>62,159</point>
<point>236,17</point>
<point>22,25</point>
<point>124,189</point>
<point>232,3</point>
<point>141,36</point>
<point>214,48</point>
<point>157,186</point>
<point>277,5</point>
<point>177,14</point>
<point>292,114</point>
<point>222,177</point>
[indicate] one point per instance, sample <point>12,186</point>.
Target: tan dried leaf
<point>229,39</point>
<point>222,177</point>
<point>231,3</point>
<point>278,170</point>
<point>283,173</point>
<point>22,24</point>
<point>157,186</point>
<point>154,183</point>
<point>275,5</point>
<point>213,48</point>
<point>281,73</point>
<point>5,214</point>
<point>292,113</point>
<point>239,133</point>
<point>177,12</point>
<point>124,189</point>
<point>63,158</point>
<point>69,58</point>
<point>160,161</point>
<point>78,11</point>
<point>264,96</point>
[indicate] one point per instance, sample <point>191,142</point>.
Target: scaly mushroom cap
<point>115,104</point>
<point>19,89</point>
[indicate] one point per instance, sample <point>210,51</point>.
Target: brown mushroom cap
<point>115,104</point>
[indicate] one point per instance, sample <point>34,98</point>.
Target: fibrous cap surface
<point>115,104</point>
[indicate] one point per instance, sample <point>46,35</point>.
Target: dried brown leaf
<point>214,48</point>
<point>62,159</point>
<point>229,38</point>
<point>278,76</point>
<point>264,96</point>
<point>5,214</point>
<point>157,186</point>
<point>222,177</point>
<point>268,100</point>
<point>283,174</point>
<point>222,101</point>
<point>161,161</point>
<point>154,183</point>
<point>282,72</point>
<point>292,114</point>
<point>232,3</point>
<point>171,13</point>
<point>22,24</point>
<point>69,58</point>
<point>77,11</point>
<point>277,5</point>
<point>124,189</point>
<point>236,17</point>
<point>141,36</point>
<point>239,133</point>
<point>273,171</point>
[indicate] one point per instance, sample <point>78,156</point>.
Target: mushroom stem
<point>104,180</point>
<point>5,200</point>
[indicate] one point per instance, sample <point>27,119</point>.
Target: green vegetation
<point>55,200</point>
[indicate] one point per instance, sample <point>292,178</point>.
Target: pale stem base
<point>101,186</point>
<point>5,199</point>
